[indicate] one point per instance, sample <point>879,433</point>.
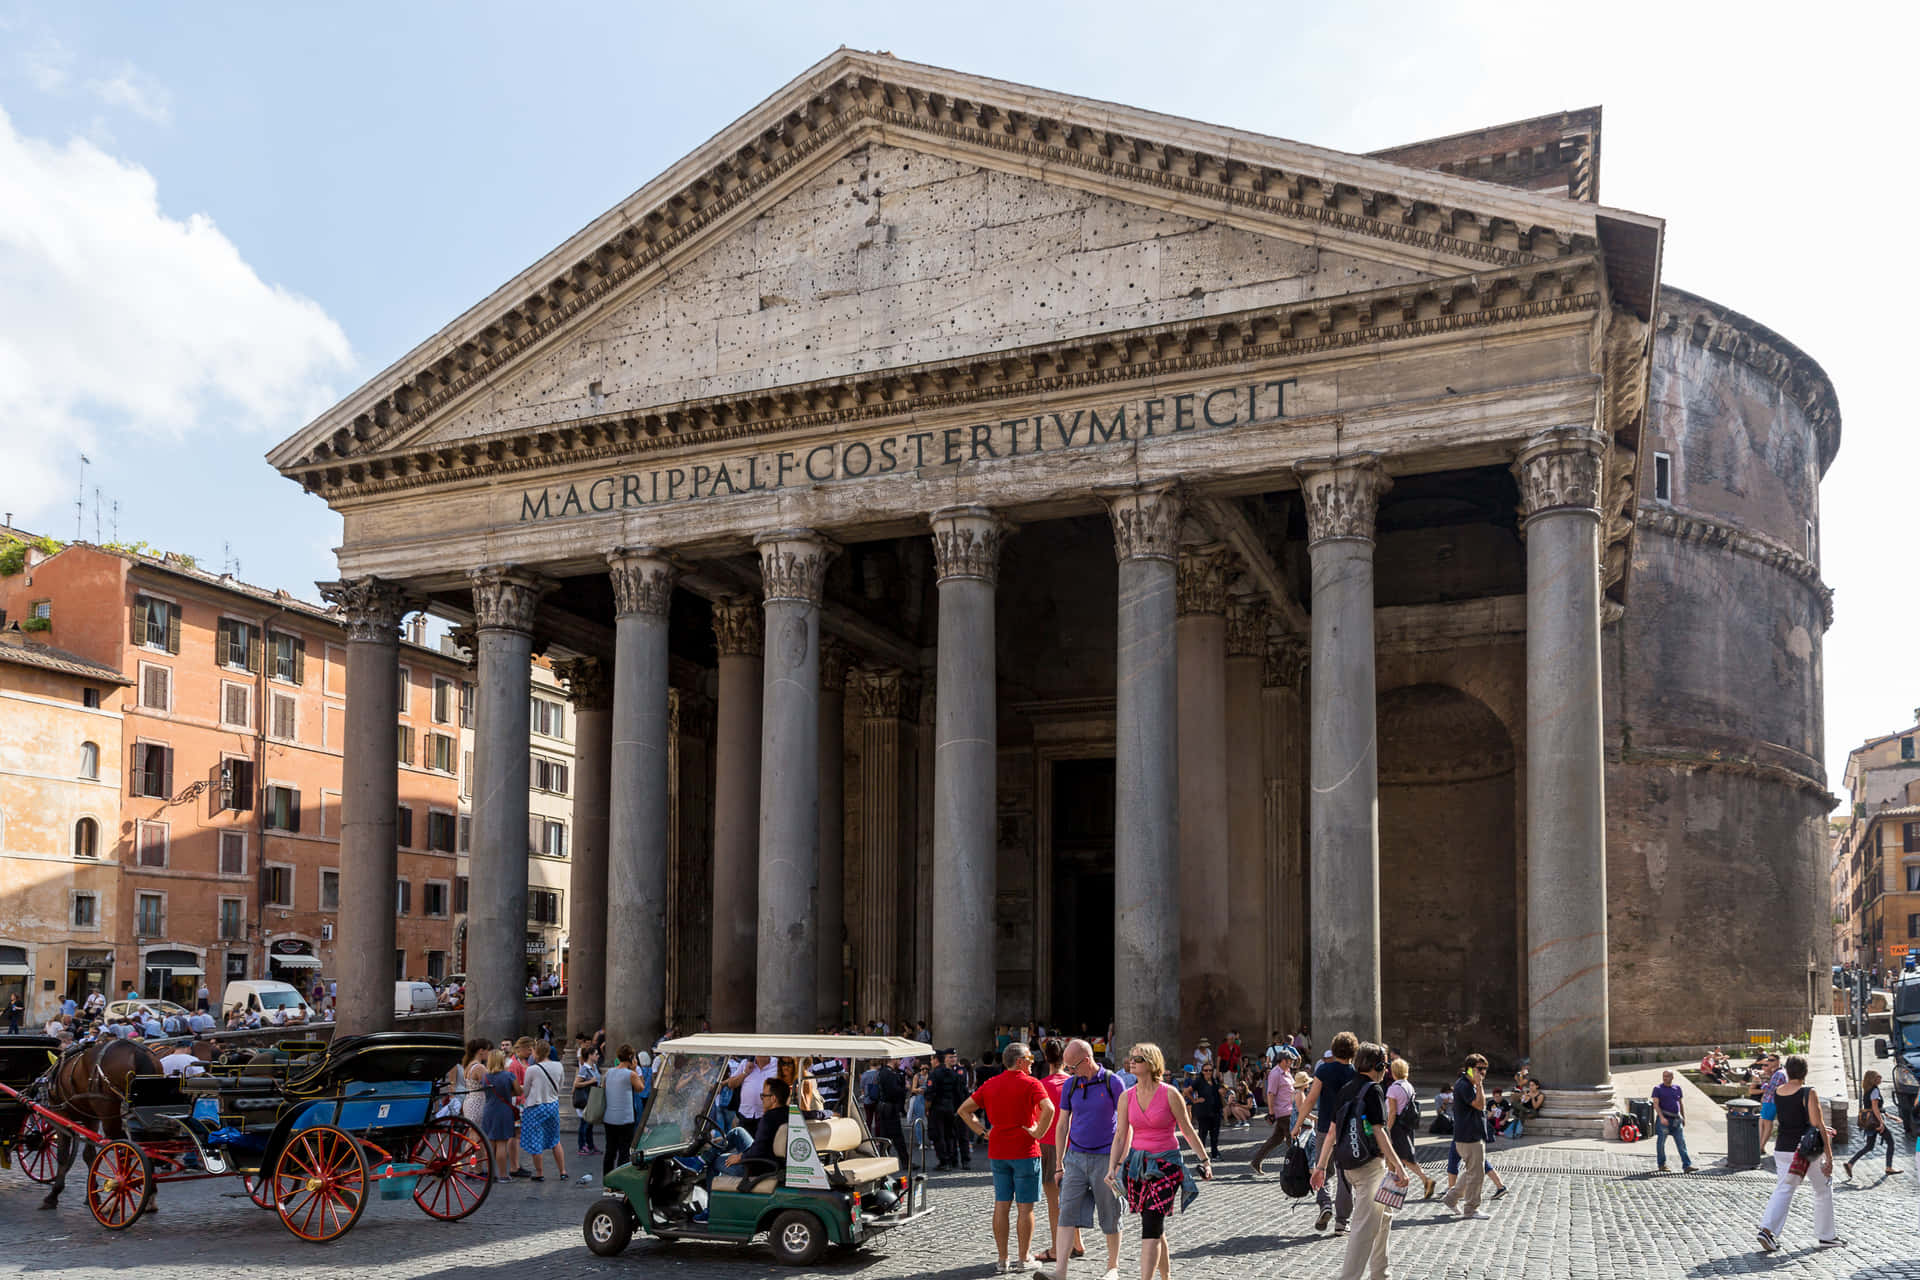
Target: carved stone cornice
<point>882,101</point>
<point>739,623</point>
<point>586,682</point>
<point>835,658</point>
<point>966,543</point>
<point>1247,626</point>
<point>1350,322</point>
<point>1342,495</point>
<point>886,693</point>
<point>370,608</point>
<point>1146,520</point>
<point>506,598</point>
<point>643,579</point>
<point>1561,470</point>
<point>1682,527</point>
<point>1200,579</point>
<point>1287,659</point>
<point>793,564</point>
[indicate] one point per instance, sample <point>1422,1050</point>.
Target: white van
<point>414,997</point>
<point>263,996</point>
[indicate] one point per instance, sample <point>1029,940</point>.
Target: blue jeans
<point>735,1141</point>
<point>1516,1127</point>
<point>1662,1126</point>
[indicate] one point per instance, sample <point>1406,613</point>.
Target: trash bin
<point>1641,1109</point>
<point>1743,1134</point>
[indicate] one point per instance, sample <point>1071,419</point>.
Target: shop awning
<point>180,970</point>
<point>15,971</point>
<point>296,962</point>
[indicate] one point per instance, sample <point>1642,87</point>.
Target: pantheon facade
<point>1022,557</point>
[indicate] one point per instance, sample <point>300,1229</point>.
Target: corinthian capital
<point>966,543</point>
<point>1247,626</point>
<point>643,580</point>
<point>1287,660</point>
<point>1560,470</point>
<point>370,607</point>
<point>1200,578</point>
<point>886,694</point>
<point>738,625</point>
<point>586,682</point>
<point>835,658</point>
<point>506,598</point>
<point>1146,520</point>
<point>1342,495</point>
<point>793,564</point>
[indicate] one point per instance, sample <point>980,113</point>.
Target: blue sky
<point>215,219</point>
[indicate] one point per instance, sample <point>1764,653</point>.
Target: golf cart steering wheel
<point>706,1130</point>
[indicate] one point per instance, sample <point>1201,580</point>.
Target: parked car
<point>263,996</point>
<point>414,997</point>
<point>161,1009</point>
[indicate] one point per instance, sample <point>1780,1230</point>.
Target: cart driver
<point>747,1148</point>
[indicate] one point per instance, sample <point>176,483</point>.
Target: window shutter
<point>166,770</point>
<point>533,835</point>
<point>293,810</point>
<point>256,642</point>
<point>222,641</point>
<point>560,778</point>
<point>173,629</point>
<point>136,774</point>
<point>243,785</point>
<point>137,632</point>
<point>299,660</point>
<point>404,821</point>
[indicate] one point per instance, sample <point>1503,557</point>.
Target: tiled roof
<point>48,658</point>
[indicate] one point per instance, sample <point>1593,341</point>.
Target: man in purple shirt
<point>1669,1117</point>
<point>1083,1138</point>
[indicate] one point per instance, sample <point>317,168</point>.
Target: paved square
<point>1576,1210</point>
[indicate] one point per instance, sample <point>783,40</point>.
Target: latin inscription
<point>1217,409</point>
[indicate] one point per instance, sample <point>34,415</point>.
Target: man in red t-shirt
<point>1017,1108</point>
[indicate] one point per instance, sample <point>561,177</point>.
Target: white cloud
<point>135,91</point>
<point>123,322</point>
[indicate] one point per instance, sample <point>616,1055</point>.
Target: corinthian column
<point>592,698</point>
<point>639,827</point>
<point>1283,766</point>
<point>1200,647</point>
<point>966,550</point>
<point>369,800</point>
<point>1342,495</point>
<point>505,601</point>
<point>886,836</point>
<point>833,826</point>
<point>735,890</point>
<point>1146,879</point>
<point>1560,476</point>
<point>1250,964</point>
<point>793,569</point>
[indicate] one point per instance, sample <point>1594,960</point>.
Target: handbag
<point>1811,1141</point>
<point>596,1109</point>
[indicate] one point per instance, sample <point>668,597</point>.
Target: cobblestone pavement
<point>1573,1212</point>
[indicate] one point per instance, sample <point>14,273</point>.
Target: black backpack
<point>1296,1174</point>
<point>1408,1117</point>
<point>1353,1141</point>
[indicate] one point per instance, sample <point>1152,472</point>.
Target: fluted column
<point>689,860</point>
<point>591,695</point>
<point>1283,766</point>
<point>1146,879</point>
<point>833,826</point>
<point>1249,961</point>
<point>886,837</point>
<point>1200,648</point>
<point>369,799</point>
<point>737,628</point>
<point>638,828</point>
<point>505,601</point>
<point>1560,475</point>
<point>966,549</point>
<point>1342,496</point>
<point>793,570</point>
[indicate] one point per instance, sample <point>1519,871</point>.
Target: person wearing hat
<point>1280,1095</point>
<point>1202,1054</point>
<point>946,1090</point>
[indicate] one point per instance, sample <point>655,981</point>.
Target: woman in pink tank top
<point>1146,1139</point>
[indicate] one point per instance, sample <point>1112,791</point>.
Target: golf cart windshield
<point>682,1088</point>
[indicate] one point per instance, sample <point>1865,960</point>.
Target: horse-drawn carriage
<point>26,1137</point>
<point>309,1127</point>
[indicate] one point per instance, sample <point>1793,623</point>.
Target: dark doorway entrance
<point>1082,894</point>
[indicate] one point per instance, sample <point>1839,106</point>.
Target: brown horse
<point>89,1087</point>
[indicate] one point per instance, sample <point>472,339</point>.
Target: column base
<point>1585,1111</point>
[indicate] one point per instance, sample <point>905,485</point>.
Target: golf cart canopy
<point>719,1044</point>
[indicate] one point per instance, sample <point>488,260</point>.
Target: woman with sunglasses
<point>1146,1142</point>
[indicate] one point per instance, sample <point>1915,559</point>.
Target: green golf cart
<point>833,1182</point>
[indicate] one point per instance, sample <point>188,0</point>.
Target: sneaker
<point>1498,1192</point>
<point>1849,1168</point>
<point>1111,1273</point>
<point>586,1178</point>
<point>1476,1216</point>
<point>1320,1223</point>
<point>519,1173</point>
<point>1659,1168</point>
<point>1834,1243</point>
<point>539,1177</point>
<point>1767,1242</point>
<point>1003,1268</point>
<point>1339,1228</point>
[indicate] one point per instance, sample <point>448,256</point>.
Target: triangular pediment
<point>879,214</point>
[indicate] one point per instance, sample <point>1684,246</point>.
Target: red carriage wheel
<point>459,1170</point>
<point>119,1185</point>
<point>320,1184</point>
<point>39,1147</point>
<point>259,1188</point>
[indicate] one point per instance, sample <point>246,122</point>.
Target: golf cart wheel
<point>608,1226</point>
<point>797,1237</point>
<point>119,1185</point>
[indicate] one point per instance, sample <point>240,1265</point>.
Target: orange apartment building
<point>1877,867</point>
<point>226,834</point>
